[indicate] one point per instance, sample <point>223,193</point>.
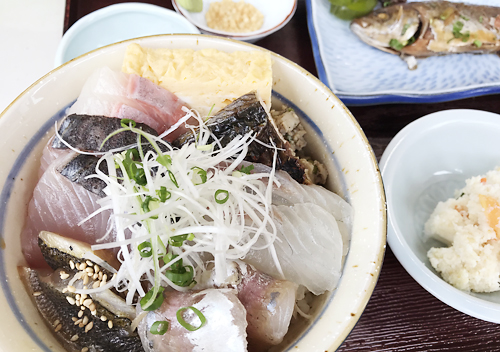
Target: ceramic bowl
<point>119,22</point>
<point>276,13</point>
<point>335,138</point>
<point>425,163</point>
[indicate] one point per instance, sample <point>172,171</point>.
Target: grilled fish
<point>423,29</point>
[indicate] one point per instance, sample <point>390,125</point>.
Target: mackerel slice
<point>58,314</point>
<point>86,133</point>
<point>247,114</point>
<point>82,166</point>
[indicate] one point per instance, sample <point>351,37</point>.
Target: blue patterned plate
<point>360,74</point>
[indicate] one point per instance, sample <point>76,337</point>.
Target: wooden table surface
<point>401,315</point>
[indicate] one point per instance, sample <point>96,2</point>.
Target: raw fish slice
<point>290,192</point>
<point>224,329</point>
<point>58,205</point>
<point>49,155</point>
<point>269,304</point>
<point>308,245</point>
<point>116,94</point>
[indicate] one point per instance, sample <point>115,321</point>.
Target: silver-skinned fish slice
<point>423,29</point>
<point>224,329</point>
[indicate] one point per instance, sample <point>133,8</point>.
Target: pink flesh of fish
<point>49,155</point>
<point>269,304</point>
<point>117,94</point>
<point>224,329</point>
<point>58,205</point>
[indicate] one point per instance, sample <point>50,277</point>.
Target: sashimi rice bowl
<point>185,193</point>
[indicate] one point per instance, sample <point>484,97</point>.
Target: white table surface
<point>30,31</point>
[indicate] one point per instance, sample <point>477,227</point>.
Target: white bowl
<point>119,22</point>
<point>424,164</point>
<point>276,13</point>
<point>339,143</point>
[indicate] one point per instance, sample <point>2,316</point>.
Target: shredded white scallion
<point>225,230</point>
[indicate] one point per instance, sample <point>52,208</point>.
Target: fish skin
<point>53,305</point>
<point>244,115</point>
<point>434,34</point>
<point>87,133</point>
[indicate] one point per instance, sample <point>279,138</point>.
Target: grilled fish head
<point>388,29</point>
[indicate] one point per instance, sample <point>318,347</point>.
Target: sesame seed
<point>74,338</point>
<point>80,313</point>
<point>74,319</point>
<point>92,307</point>
<point>93,312</point>
<point>105,277</point>
<point>89,263</point>
<point>89,326</point>
<point>56,323</point>
<point>114,276</point>
<point>71,300</point>
<point>87,302</point>
<point>96,268</point>
<point>81,325</point>
<point>96,284</point>
<point>85,349</point>
<point>65,290</point>
<point>102,283</point>
<point>95,276</point>
<point>84,296</point>
<point>90,270</point>
<point>100,275</point>
<point>77,296</point>
<point>85,279</point>
<point>85,320</point>
<point>37,293</point>
<point>83,266</point>
<point>82,308</point>
<point>78,303</point>
<point>58,327</point>
<point>72,264</point>
<point>71,288</point>
<point>110,324</point>
<point>90,274</point>
<point>78,321</point>
<point>64,275</point>
<point>103,318</point>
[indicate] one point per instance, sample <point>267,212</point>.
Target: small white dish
<point>276,13</point>
<point>424,164</point>
<point>119,22</point>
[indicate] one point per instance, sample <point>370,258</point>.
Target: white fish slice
<point>309,247</point>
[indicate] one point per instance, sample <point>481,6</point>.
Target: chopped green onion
<point>127,123</point>
<point>221,200</point>
<point>163,194</point>
<point>405,28</point>
<point>145,249</point>
<point>205,148</point>
<point>481,19</point>
<point>213,106</point>
<point>396,44</point>
<point>478,43</point>
<point>149,204</point>
<point>164,160</point>
<point>172,178</point>
<point>183,278</point>
<point>156,303</point>
<point>247,169</point>
<point>159,327</point>
<point>201,173</point>
<point>464,18</point>
<point>186,325</point>
<point>177,241</point>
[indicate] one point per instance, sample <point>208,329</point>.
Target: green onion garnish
<point>164,160</point>
<point>157,302</point>
<point>405,28</point>
<point>183,278</point>
<point>187,326</point>
<point>220,200</point>
<point>177,241</point>
<point>145,249</point>
<point>172,178</point>
<point>478,43</point>
<point>246,169</point>
<point>163,194</point>
<point>149,204</point>
<point>159,327</point>
<point>396,44</point>
<point>127,123</point>
<point>201,173</point>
